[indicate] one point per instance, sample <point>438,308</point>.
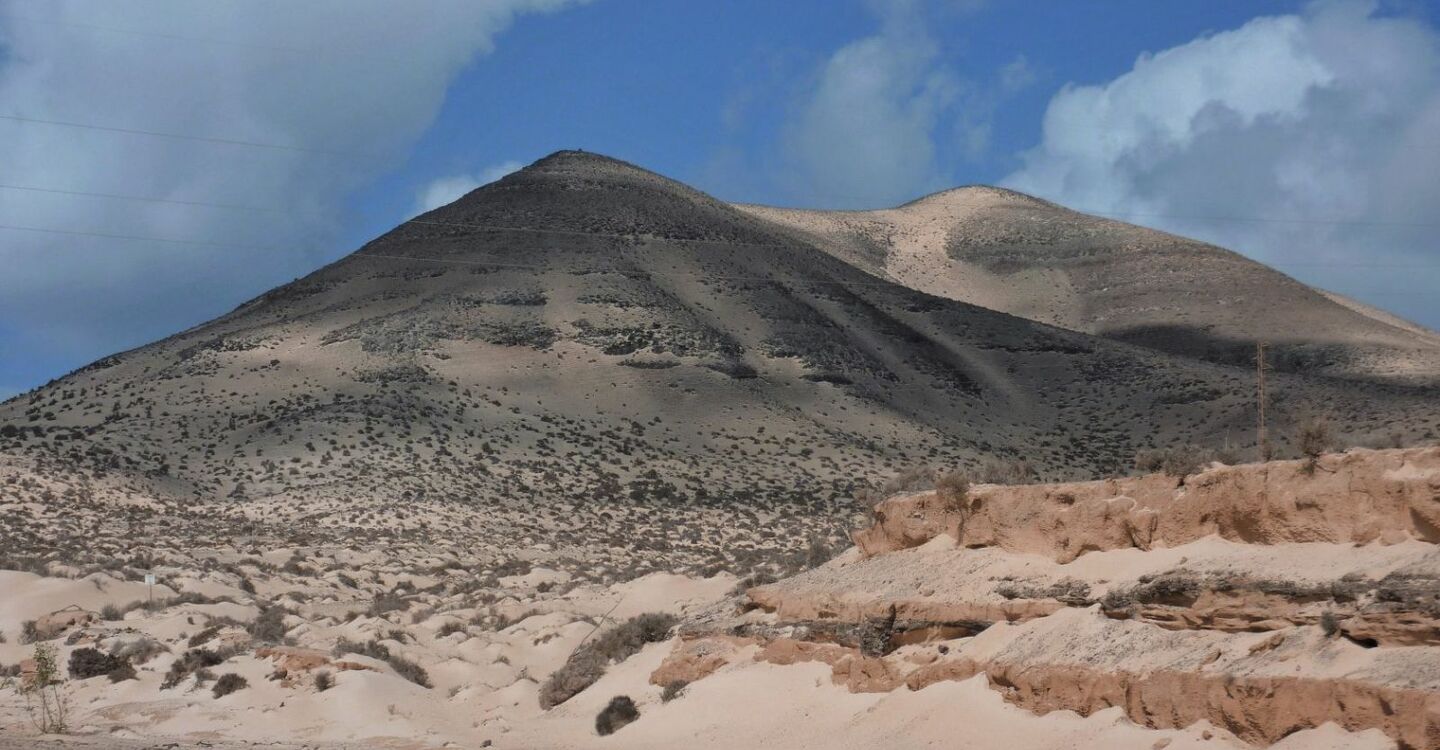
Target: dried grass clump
<point>589,662</point>
<point>621,710</point>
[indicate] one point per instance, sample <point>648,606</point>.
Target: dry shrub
<point>621,710</point>
<point>1178,461</point>
<point>229,683</point>
<point>1007,471</point>
<point>1314,438</point>
<point>673,690</point>
<point>588,662</point>
<point>913,479</point>
<point>88,662</point>
<point>953,487</point>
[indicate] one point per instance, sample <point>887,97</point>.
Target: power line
<point>1092,212</point>
<point>1260,219</point>
<point>181,136</point>
<point>137,238</point>
<point>572,232</point>
<point>154,34</point>
<point>116,196</point>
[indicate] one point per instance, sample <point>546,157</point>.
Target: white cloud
<point>1327,117</point>
<point>446,190</point>
<point>359,79</point>
<point>1017,74</point>
<point>863,136</point>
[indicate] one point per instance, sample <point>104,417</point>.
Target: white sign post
<point>150,581</point>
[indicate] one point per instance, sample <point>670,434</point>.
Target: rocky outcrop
<point>694,659</point>
<point>1260,687</point>
<point>1263,599</point>
<point>294,666</point>
<point>1360,496</point>
<point>57,623</point>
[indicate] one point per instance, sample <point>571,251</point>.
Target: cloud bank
<point>1306,141</point>
<point>864,136</point>
<point>343,88</point>
<point>448,189</point>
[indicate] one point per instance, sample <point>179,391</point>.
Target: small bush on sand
<point>377,650</point>
<point>324,681</point>
<point>588,662</point>
<point>125,671</point>
<point>450,628</point>
<point>953,487</point>
<point>391,601</point>
<point>229,683</point>
<point>139,650</point>
<point>673,690</point>
<point>88,662</point>
<point>47,699</point>
<point>28,633</point>
<point>409,670</point>
<point>616,714</point>
<point>194,661</point>
<point>269,625</point>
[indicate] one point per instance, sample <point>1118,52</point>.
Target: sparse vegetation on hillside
<point>589,662</point>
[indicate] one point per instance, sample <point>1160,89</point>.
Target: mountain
<point>1011,252</point>
<point>588,356</point>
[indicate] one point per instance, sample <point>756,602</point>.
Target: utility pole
<point>1263,439</point>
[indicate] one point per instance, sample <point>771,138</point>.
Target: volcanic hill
<point>590,356</point>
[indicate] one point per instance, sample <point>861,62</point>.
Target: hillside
<point>1010,252</point>
<point>593,358</point>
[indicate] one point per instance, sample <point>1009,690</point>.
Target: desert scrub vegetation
<point>377,650</point>
<point>621,710</point>
<point>915,479</point>
<point>139,650</point>
<point>229,683</point>
<point>1006,471</point>
<point>195,662</point>
<point>1178,461</point>
<point>1313,437</point>
<point>673,690</point>
<point>269,625</point>
<point>88,662</point>
<point>47,699</point>
<point>590,660</point>
<point>953,487</point>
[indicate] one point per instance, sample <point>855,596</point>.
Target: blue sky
<point>1298,133</point>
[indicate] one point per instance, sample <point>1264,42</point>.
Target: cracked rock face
<point>1262,600</point>
<point>1357,497</point>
